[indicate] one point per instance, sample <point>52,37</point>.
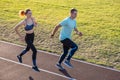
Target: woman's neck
<point>28,17</point>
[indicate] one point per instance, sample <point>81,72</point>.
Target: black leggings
<point>68,44</point>
<point>29,39</point>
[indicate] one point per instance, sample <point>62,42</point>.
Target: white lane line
<point>72,58</point>
<point>26,65</point>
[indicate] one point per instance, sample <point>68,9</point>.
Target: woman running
<point>29,23</point>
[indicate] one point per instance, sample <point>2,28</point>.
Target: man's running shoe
<point>68,64</point>
<point>59,66</point>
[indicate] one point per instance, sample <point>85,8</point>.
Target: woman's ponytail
<point>22,13</point>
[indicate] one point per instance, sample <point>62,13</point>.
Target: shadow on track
<point>31,78</point>
<point>65,73</point>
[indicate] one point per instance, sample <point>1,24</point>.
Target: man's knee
<point>75,48</point>
<point>27,49</point>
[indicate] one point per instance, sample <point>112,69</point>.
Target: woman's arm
<point>35,22</point>
<point>17,26</point>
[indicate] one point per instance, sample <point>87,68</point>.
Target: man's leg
<point>74,48</point>
<point>62,57</point>
<point>65,52</point>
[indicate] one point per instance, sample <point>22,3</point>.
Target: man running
<point>67,25</point>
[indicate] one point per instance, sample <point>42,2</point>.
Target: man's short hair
<point>73,10</point>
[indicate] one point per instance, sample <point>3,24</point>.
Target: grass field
<point>98,20</point>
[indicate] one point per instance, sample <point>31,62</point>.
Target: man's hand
<point>79,33</point>
<point>55,30</point>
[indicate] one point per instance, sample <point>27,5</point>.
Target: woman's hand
<point>22,38</point>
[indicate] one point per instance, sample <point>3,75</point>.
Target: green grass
<point>99,20</point>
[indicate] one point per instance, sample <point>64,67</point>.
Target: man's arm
<point>55,30</point>
<point>77,32</point>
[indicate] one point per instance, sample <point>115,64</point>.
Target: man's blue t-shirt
<point>68,25</point>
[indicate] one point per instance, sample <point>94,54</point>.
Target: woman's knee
<point>35,51</point>
<point>34,54</point>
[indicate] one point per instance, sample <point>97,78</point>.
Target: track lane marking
<point>72,58</point>
<point>26,65</point>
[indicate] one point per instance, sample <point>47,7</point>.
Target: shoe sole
<point>67,65</point>
<point>59,67</point>
<point>36,69</point>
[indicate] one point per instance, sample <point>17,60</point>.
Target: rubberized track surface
<point>11,69</point>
